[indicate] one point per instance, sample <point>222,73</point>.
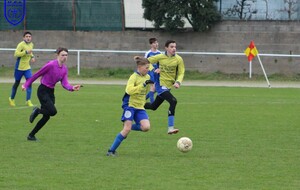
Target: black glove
<point>149,82</point>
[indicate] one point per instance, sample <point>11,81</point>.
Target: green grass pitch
<point>243,138</point>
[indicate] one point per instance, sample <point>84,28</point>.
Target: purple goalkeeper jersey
<point>51,73</point>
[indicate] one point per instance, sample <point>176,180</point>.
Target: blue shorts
<point>131,113</point>
<point>18,74</point>
<point>160,89</point>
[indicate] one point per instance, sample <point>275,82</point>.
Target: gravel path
<point>262,84</point>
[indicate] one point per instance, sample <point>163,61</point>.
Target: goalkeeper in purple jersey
<point>153,51</point>
<point>51,73</point>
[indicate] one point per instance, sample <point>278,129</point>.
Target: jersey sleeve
<point>39,73</point>
<point>181,70</point>
<point>154,59</point>
<point>131,88</point>
<point>20,51</point>
<point>65,82</point>
<point>32,56</point>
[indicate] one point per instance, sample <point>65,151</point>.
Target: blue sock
<point>28,93</point>
<point>119,138</point>
<point>171,120</point>
<point>148,96</point>
<point>151,96</point>
<point>13,93</point>
<point>136,127</point>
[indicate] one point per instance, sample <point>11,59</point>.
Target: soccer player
<point>153,51</point>
<point>24,56</point>
<point>133,104</point>
<point>51,73</point>
<point>171,72</point>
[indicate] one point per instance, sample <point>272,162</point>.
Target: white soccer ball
<point>184,144</point>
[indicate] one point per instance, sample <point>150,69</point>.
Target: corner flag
<point>251,51</point>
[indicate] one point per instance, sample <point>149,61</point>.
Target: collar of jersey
<point>138,73</point>
<point>169,56</point>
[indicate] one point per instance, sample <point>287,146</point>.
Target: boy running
<point>133,104</point>
<point>51,73</point>
<point>171,72</point>
<point>22,68</point>
<point>153,51</point>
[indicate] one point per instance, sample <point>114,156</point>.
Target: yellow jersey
<point>171,69</point>
<point>136,91</point>
<point>23,59</point>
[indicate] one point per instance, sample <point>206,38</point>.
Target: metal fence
<point>83,15</point>
<point>78,53</point>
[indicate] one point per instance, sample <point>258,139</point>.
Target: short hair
<point>60,49</point>
<point>25,33</point>
<point>141,60</point>
<point>152,40</point>
<point>168,42</point>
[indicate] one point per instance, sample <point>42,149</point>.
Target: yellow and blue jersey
<point>135,92</point>
<point>171,69</point>
<point>23,59</point>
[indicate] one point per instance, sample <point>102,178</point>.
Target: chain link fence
<point>116,15</point>
<point>83,15</point>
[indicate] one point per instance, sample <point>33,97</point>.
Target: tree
<point>267,9</point>
<point>290,6</point>
<point>243,9</point>
<point>201,14</point>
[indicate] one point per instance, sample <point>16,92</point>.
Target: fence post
<point>78,62</point>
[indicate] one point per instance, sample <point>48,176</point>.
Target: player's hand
<point>176,85</point>
<point>76,87</point>
<point>23,88</point>
<point>29,51</point>
<point>32,60</point>
<point>157,71</point>
<point>149,82</point>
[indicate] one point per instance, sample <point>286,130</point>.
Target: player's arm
<point>20,51</point>
<point>180,72</point>
<point>39,73</point>
<point>153,60</point>
<point>32,56</point>
<point>65,82</point>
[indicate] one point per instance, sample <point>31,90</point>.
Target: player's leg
<point>151,93</point>
<point>127,119</point>
<point>38,126</point>
<point>141,118</point>
<point>18,76</point>
<point>154,105</point>
<point>119,138</point>
<point>145,125</point>
<point>47,100</point>
<point>171,112</point>
<point>27,75</point>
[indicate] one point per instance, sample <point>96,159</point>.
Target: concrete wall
<point>228,36</point>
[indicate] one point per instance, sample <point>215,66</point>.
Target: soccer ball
<point>184,144</point>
